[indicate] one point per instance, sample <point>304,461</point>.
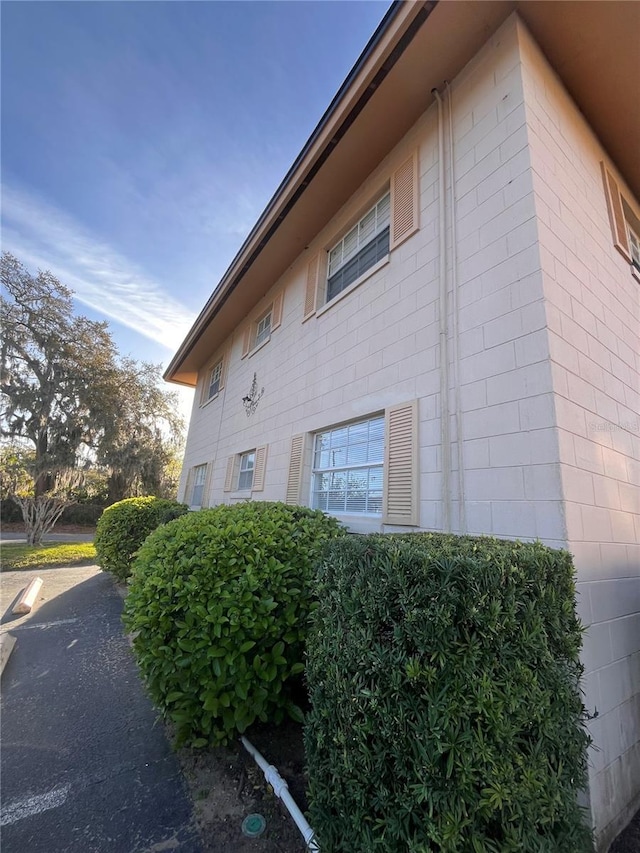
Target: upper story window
<point>348,468</point>
<point>339,267</point>
<point>215,379</point>
<point>361,247</point>
<point>258,331</point>
<point>624,220</point>
<point>263,328</point>
<point>634,245</point>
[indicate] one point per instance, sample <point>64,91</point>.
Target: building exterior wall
<point>593,315</point>
<point>379,346</point>
<point>543,349</point>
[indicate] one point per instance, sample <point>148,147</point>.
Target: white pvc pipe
<point>445,440</point>
<point>281,790</point>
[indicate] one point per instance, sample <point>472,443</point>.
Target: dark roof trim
<point>393,57</point>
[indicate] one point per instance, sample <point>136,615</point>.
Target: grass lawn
<point>19,556</point>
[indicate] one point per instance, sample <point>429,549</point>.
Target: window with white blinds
<point>348,468</point>
<point>361,247</point>
<point>215,380</point>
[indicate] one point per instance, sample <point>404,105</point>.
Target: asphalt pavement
<point>86,766</point>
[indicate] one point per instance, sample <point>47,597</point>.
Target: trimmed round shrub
<point>123,527</point>
<point>445,712</point>
<point>219,604</point>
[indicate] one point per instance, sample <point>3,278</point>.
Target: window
<point>246,471</point>
<point>624,221</point>
<point>263,329</point>
<point>247,465</point>
<point>634,245</point>
<point>258,332</point>
<point>215,380</point>
<point>348,468</point>
<point>371,241</point>
<point>362,246</point>
<point>197,486</point>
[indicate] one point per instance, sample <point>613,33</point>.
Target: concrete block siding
<point>593,310</point>
<point>548,359</point>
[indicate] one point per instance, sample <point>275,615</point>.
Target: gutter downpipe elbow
<point>445,440</point>
<point>281,790</point>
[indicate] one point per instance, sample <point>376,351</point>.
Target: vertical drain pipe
<point>462,514</point>
<point>445,440</point>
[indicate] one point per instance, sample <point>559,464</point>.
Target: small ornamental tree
<point>218,606</point>
<point>123,527</point>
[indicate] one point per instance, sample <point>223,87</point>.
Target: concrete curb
<point>28,597</point>
<point>7,642</point>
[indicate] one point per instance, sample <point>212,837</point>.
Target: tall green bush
<point>123,527</point>
<point>219,603</point>
<point>443,674</point>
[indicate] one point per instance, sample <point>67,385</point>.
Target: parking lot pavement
<point>86,767</point>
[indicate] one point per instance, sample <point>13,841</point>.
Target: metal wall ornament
<point>250,402</point>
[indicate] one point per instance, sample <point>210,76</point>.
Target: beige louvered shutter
<point>228,478</point>
<point>312,288</point>
<point>260,468</point>
<point>246,340</point>
<point>186,498</point>
<point>207,485</point>
<point>223,372</point>
<point>296,460</point>
<point>276,312</point>
<point>616,213</point>
<point>404,201</point>
<point>401,465</point>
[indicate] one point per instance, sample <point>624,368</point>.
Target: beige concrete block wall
<point>380,344</point>
<point>593,314</point>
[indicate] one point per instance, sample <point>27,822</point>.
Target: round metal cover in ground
<point>253,825</point>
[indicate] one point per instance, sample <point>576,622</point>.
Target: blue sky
<point>141,141</point>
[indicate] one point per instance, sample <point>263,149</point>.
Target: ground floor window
<point>199,478</point>
<point>348,468</point>
<point>247,465</point>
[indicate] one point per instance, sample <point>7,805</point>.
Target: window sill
<point>210,400</point>
<point>354,284</point>
<point>359,523</point>
<point>258,347</point>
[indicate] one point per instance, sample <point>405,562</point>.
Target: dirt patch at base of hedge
<point>226,785</point>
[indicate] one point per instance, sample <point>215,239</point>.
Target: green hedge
<point>123,527</point>
<point>443,675</point>
<point>219,606</point>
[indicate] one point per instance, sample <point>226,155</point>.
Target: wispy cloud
<point>42,236</point>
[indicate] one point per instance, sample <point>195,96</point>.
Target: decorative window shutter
<point>223,374</point>
<point>312,287</point>
<point>404,201</point>
<point>207,485</point>
<point>260,468</point>
<point>400,501</point>
<point>276,312</point>
<point>616,213</point>
<point>296,461</point>
<point>187,489</point>
<point>228,479</point>
<point>246,340</point>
